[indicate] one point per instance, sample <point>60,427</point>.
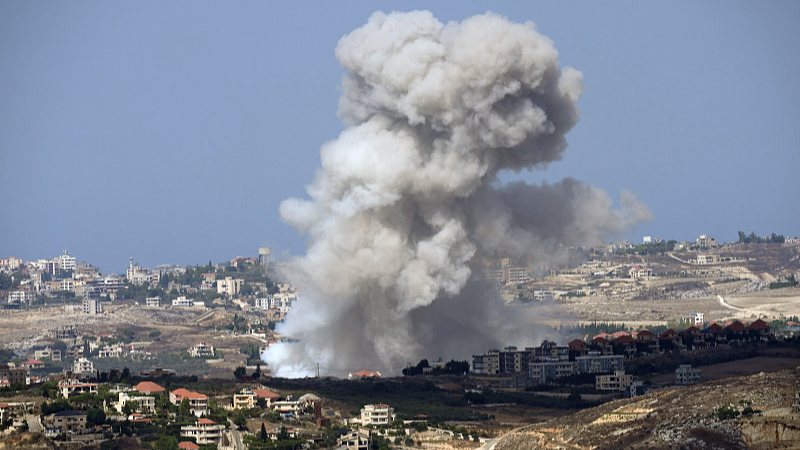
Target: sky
<point>170,132</point>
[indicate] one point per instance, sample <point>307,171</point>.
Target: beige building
<point>618,382</point>
<point>205,431</point>
<point>229,286</point>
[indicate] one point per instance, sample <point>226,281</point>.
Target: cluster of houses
<point>606,353</point>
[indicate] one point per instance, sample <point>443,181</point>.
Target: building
<point>263,256</point>
<point>152,302</point>
<point>355,440</point>
<point>141,275</point>
<point>595,362</point>
<point>13,375</point>
<point>379,414</point>
<point>83,366</point>
<point>70,386</point>
<point>229,286</point>
<point>686,375</point>
<point>363,374</point>
<point>488,364</point>
<point>640,272</point>
<point>704,241</point>
<point>267,395</point>
<point>205,431</point>
<point>70,421</point>
<point>49,353</point>
<point>32,364</point>
<point>543,371</point>
<point>146,403</point>
<point>92,306</point>
<point>202,350</point>
<point>707,258</point>
<point>245,399</point>
<point>10,264</point>
<point>617,382</point>
<point>148,387</point>
<point>20,296</point>
<point>638,388</point>
<point>695,318</point>
<point>198,403</point>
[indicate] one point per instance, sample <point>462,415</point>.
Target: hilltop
<point>693,417</point>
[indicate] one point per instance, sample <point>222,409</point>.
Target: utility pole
<point>317,370</point>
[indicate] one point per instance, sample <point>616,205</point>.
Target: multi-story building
<point>10,264</point>
<point>71,386</point>
<point>619,381</point>
<point>152,302</point>
<point>637,272</point>
<point>707,258</point>
<point>684,374</point>
<point>542,371</point>
<point>704,241</point>
<point>65,422</point>
<point>198,403</point>
<point>92,306</point>
<point>141,275</point>
<point>49,353</point>
<point>82,366</point>
<point>358,439</point>
<point>229,286</point>
<point>379,414</point>
<point>146,403</point>
<point>488,364</point>
<point>202,350</point>
<point>13,375</point>
<point>205,431</point>
<point>67,262</point>
<point>595,362</point>
<point>20,296</point>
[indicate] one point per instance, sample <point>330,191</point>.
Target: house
<point>51,354</point>
<point>65,422</point>
<point>686,375</point>
<point>355,440</point>
<point>638,388</point>
<point>152,302</point>
<point>148,387</point>
<point>379,414</point>
<point>618,382</point>
<point>82,366</point>
<point>736,331</point>
<point>205,431</point>
<point>198,403</point>
<point>229,286</point>
<point>145,403</point>
<point>628,345</point>
<point>32,364</point>
<point>759,330</point>
<point>602,345</point>
<point>71,386</point>
<point>188,445</point>
<point>715,334</point>
<point>245,399</point>
<point>637,272</point>
<point>363,375</point>
<point>267,395</point>
<point>578,347</point>
<point>13,375</point>
<point>202,350</point>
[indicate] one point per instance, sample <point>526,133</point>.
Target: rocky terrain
<point>680,418</point>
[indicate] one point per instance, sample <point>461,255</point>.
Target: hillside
<point>679,418</point>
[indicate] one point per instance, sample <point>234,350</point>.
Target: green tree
<point>239,420</point>
<point>263,436</point>
<point>95,416</point>
<point>166,443</point>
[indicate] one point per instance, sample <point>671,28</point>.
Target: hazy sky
<point>171,131</point>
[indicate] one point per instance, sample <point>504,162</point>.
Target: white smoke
<point>408,194</point>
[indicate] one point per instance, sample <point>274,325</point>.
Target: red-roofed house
<point>268,395</point>
<point>188,445</point>
<point>198,403</point>
<point>577,347</point>
<point>628,344</point>
<point>759,330</point>
<point>736,331</point>
<point>148,387</point>
<point>715,334</point>
<point>206,431</point>
<point>602,345</point>
<point>363,374</point>
<point>32,364</point>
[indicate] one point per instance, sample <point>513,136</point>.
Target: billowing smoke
<point>408,196</point>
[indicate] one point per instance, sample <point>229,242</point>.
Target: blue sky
<point>171,131</point>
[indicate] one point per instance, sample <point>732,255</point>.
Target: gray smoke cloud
<point>408,196</point>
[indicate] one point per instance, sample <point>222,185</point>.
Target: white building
<point>147,404</point>
<point>229,286</point>
<point>67,262</point>
<point>92,306</point>
<point>152,302</point>
<point>201,350</point>
<point>704,241</point>
<point>20,296</point>
<point>82,366</point>
<point>206,431</point>
<point>640,272</point>
<point>182,301</point>
<point>686,375</point>
<point>141,275</point>
<point>379,414</point>
<point>707,258</point>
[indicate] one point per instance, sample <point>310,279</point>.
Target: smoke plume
<point>408,196</point>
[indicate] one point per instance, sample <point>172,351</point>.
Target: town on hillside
<point>170,357</point>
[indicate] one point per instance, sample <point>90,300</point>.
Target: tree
<point>155,334</point>
<point>239,420</point>
<point>257,372</point>
<point>166,443</point>
<point>95,416</point>
<point>263,436</point>
<point>240,372</point>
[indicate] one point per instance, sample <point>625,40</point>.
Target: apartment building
<point>205,431</point>
<point>619,381</point>
<point>198,403</point>
<point>379,414</point>
<point>684,374</point>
